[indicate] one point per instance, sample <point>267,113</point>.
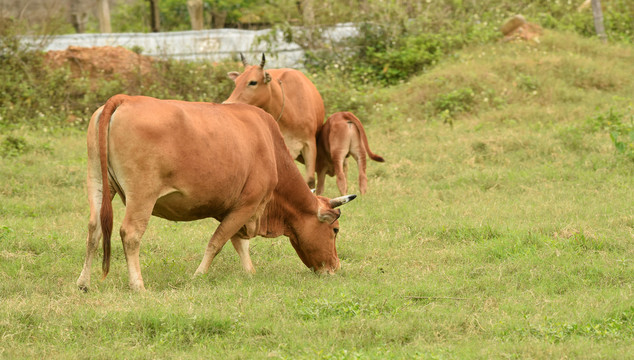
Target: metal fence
<point>213,45</point>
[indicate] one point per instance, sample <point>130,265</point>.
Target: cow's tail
<point>106,203</point>
<point>351,117</point>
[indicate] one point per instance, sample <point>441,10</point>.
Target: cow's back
<point>198,159</point>
<point>303,101</point>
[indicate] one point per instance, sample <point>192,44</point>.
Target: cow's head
<point>314,239</point>
<point>252,86</point>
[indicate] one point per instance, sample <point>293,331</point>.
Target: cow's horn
<point>338,201</point>
<point>244,61</point>
<point>263,61</point>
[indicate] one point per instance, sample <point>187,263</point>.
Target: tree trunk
<point>218,19</point>
<point>195,9</point>
<point>598,20</point>
<point>77,17</point>
<point>308,12</point>
<point>155,21</point>
<point>103,13</point>
<point>308,16</point>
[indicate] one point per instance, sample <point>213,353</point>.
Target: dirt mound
<point>517,28</point>
<point>101,62</point>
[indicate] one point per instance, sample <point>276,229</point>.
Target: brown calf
<point>341,136</point>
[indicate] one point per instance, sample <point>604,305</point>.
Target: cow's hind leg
<point>229,226</point>
<point>363,179</point>
<point>94,231</point>
<point>242,248</point>
<point>340,172</point>
<point>137,216</point>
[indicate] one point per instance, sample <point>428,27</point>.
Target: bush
<point>35,95</point>
<point>13,146</point>
<point>393,44</point>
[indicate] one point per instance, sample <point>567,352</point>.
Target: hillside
<point>562,78</point>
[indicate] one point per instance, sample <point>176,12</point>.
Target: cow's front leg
<point>242,248</point>
<point>227,229</point>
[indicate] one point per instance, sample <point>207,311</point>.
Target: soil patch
<point>101,62</point>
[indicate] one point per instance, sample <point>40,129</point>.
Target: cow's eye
<point>253,83</point>
<point>336,230</point>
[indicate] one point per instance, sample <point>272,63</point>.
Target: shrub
<point>35,95</point>
<point>13,146</point>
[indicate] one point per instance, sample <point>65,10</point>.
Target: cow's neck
<point>292,201</point>
<point>277,102</point>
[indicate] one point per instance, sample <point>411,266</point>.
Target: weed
<point>620,126</point>
<point>455,102</point>
<point>617,326</point>
<point>527,82</point>
<point>14,146</point>
<point>343,308</point>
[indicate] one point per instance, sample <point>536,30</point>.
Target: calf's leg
<point>340,173</point>
<point>363,179</point>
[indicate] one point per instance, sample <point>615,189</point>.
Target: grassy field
<point>501,226</point>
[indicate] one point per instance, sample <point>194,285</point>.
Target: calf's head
<point>252,86</point>
<point>314,237</point>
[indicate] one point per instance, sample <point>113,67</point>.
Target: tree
<point>195,9</point>
<point>78,16</point>
<point>598,19</point>
<point>103,13</point>
<point>155,21</point>
<point>308,17</point>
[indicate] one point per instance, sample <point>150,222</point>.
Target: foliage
<point>394,44</point>
<point>13,146</point>
<point>36,95</point>
<point>173,14</point>
<point>620,126</point>
<point>381,55</point>
<point>619,325</point>
<point>456,101</point>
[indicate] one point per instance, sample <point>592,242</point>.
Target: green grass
<point>501,229</point>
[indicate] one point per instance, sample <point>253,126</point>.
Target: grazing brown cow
<point>186,161</point>
<point>294,102</point>
<point>341,136</point>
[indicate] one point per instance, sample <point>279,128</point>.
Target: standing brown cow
<point>185,161</point>
<point>341,136</point>
<point>291,99</point>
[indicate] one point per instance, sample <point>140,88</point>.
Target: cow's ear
<point>267,78</point>
<point>328,215</point>
<point>233,75</point>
